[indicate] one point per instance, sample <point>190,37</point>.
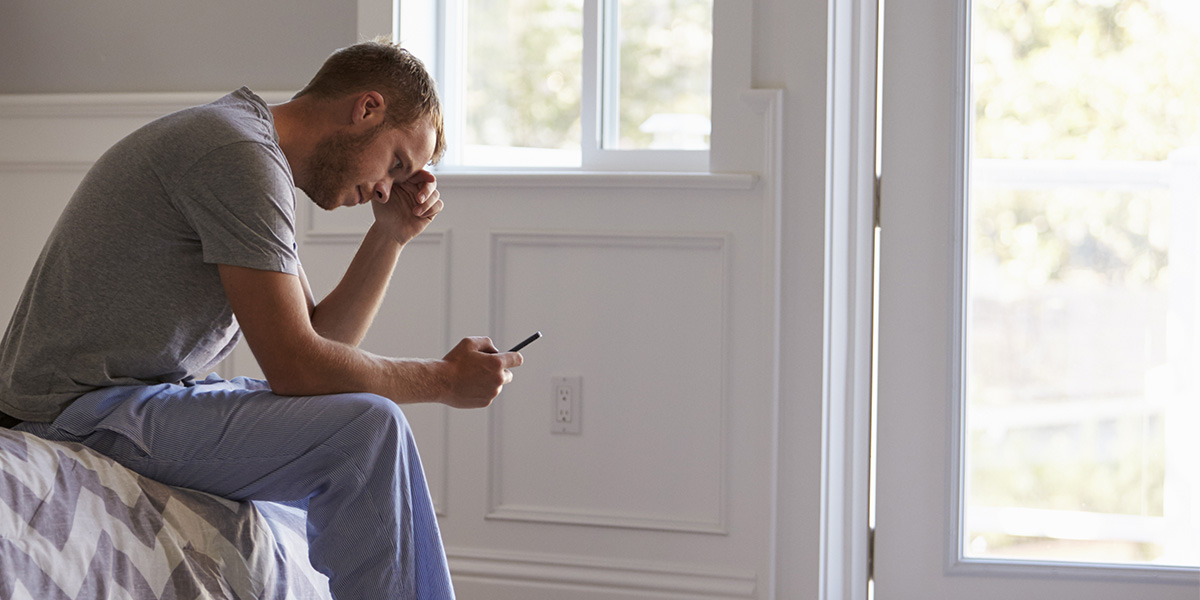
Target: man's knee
<point>376,414</point>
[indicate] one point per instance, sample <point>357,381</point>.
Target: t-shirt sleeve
<point>240,201</point>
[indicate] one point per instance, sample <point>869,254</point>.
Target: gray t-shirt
<point>126,290</point>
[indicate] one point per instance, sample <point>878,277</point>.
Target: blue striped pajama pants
<point>350,457</point>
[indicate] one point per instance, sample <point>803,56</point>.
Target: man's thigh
<point>235,438</point>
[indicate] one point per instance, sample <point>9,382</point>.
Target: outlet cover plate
<point>566,404</point>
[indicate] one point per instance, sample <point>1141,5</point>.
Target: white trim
<point>448,68</point>
<point>608,61</point>
<point>607,578</point>
<point>1027,569</point>
<point>767,104</point>
<point>564,516</point>
<point>591,101</point>
<point>849,270</point>
<point>145,105</point>
<point>956,346</point>
<point>45,166</point>
<point>497,508</point>
<point>594,179</point>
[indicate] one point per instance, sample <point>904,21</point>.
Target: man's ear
<point>369,108</point>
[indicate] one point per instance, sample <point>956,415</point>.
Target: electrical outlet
<point>565,403</point>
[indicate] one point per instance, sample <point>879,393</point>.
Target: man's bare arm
<point>272,310</point>
<point>347,312</point>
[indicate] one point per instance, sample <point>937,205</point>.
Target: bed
<point>76,525</point>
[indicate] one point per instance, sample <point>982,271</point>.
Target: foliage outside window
<point>556,83</point>
<point>1072,371</point>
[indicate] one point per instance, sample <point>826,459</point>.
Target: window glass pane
<point>665,75</point>
<point>1083,322</point>
<point>523,82</point>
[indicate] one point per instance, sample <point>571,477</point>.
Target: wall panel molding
<point>593,578</point>
<point>145,105</point>
<point>498,507</point>
<point>68,132</point>
<point>45,166</point>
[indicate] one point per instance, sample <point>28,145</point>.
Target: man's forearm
<point>471,375</point>
<point>297,361</point>
<point>321,366</point>
<point>346,313</point>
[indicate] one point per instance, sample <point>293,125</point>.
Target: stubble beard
<point>330,166</point>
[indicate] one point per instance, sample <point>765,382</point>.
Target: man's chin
<point>328,205</point>
<point>324,201</point>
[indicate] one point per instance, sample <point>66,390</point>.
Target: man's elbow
<point>291,384</point>
<point>313,371</point>
<point>290,380</point>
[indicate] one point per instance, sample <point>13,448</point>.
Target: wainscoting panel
<point>651,450</point>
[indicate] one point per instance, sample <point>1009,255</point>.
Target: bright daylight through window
<point>562,83</point>
<point>1083,321</point>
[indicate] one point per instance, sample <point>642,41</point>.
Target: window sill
<point>597,179</point>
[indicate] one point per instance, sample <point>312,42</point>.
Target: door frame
<point>921,324</point>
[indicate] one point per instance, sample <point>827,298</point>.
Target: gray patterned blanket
<point>76,525</point>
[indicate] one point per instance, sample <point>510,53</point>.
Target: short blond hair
<point>383,66</point>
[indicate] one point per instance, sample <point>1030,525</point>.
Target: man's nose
<point>382,189</point>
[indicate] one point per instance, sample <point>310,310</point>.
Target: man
<point>179,239</point>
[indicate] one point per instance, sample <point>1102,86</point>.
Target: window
<point>1082,318</point>
<point>1037,301</point>
<point>591,84</point>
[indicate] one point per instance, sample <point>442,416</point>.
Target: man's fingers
<point>512,359</point>
<point>423,176</point>
<point>483,344</point>
<point>508,360</point>
<point>422,185</point>
<point>432,206</point>
<point>482,371</point>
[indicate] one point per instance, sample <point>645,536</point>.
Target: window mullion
<point>591,105</point>
<point>610,82</point>
<point>452,21</point>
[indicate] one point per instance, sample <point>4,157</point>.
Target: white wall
<point>698,469</point>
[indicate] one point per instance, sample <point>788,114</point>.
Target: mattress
<point>76,525</point>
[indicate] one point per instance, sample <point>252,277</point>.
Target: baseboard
<point>495,575</point>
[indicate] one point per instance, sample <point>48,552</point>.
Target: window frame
<point>921,409</point>
<point>409,18</point>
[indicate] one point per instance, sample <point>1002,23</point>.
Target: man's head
<point>379,65</point>
<point>369,118</point>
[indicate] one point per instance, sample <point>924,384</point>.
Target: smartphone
<point>526,341</point>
